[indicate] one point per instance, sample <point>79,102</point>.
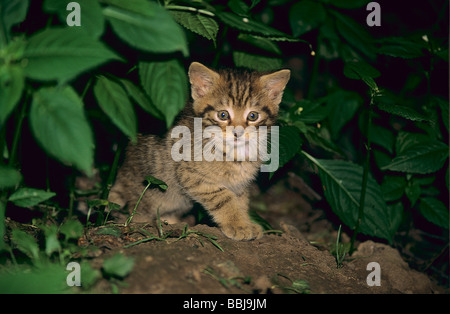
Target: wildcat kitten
<point>224,98</point>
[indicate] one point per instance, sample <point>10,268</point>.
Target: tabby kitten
<point>223,98</point>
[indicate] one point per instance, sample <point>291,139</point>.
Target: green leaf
<point>11,85</point>
<point>406,140</point>
<point>239,7</point>
<point>391,104</point>
<point>28,197</point>
<point>290,144</point>
<point>423,158</point>
<point>58,122</point>
<point>25,243</point>
<point>256,62</point>
<point>11,13</point>
<point>165,82</point>
<point>361,70</point>
<point>118,265</point>
<point>434,211</point>
<point>401,47</point>
<point>51,239</point>
<point>154,31</point>
<point>342,106</point>
<point>72,229</point>
<point>3,245</point>
<point>413,191</point>
<point>155,181</point>
<point>250,26</point>
<point>143,7</point>
<point>141,99</point>
<point>444,106</point>
<point>9,177</point>
<point>256,218</point>
<point>347,4</point>
<point>305,16</point>
<point>261,42</point>
<point>393,187</point>
<point>49,278</point>
<point>309,111</point>
<point>114,101</point>
<point>355,34</point>
<point>197,23</point>
<point>342,183</point>
<point>63,53</point>
<point>89,275</point>
<point>395,215</point>
<point>92,19</point>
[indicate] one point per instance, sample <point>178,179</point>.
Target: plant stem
<point>135,207</point>
<point>314,72</point>
<point>17,132</point>
<point>190,9</point>
<point>365,175</point>
<point>113,171</point>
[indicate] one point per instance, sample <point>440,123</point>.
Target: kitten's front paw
<point>243,231</point>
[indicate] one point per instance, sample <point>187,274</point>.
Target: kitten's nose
<point>238,132</point>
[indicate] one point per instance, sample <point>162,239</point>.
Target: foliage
<point>379,149</point>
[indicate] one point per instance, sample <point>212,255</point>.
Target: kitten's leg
<point>229,210</point>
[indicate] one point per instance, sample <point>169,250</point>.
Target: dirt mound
<point>202,260</point>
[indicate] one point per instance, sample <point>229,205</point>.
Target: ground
<point>199,259</point>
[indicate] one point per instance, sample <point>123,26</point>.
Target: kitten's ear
<point>275,83</point>
<point>202,79</point>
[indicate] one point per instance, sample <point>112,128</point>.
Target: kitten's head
<point>236,98</point>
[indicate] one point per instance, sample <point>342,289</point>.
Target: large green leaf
<point>256,62</point>
<point>58,122</point>
<point>309,111</point>
<point>25,243</point>
<point>290,143</point>
<point>347,4</point>
<point>63,53</point>
<point>197,23</point>
<point>361,70</point>
<point>305,16</point>
<point>9,177</point>
<point>166,84</point>
<point>141,99</point>
<point>435,211</point>
<point>250,26</point>
<point>28,197</point>
<point>342,106</point>
<point>11,13</point>
<point>342,181</point>
<point>402,47</point>
<point>11,85</point>
<point>118,265</point>
<point>48,278</point>
<point>154,31</point>
<point>114,101</point>
<point>92,19</point>
<point>423,158</point>
<point>355,34</point>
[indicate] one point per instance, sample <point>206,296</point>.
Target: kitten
<point>244,100</point>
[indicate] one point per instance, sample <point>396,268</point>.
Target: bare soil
<point>294,260</point>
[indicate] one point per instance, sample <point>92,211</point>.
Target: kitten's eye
<point>223,115</point>
<point>252,116</point>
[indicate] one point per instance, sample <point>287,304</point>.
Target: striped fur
<point>221,187</point>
